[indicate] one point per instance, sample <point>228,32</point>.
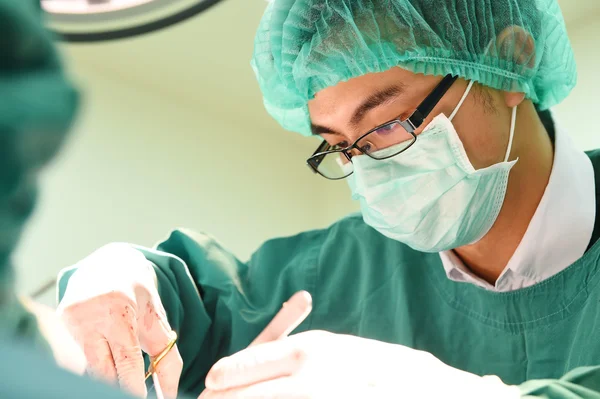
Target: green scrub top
<point>362,283</point>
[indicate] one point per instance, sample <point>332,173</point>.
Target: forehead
<point>345,97</point>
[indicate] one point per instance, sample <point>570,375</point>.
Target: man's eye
<point>342,144</point>
<point>387,129</point>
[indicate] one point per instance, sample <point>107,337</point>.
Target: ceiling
<point>205,60</point>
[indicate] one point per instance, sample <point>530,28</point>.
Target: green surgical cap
<point>37,105</point>
<point>304,46</point>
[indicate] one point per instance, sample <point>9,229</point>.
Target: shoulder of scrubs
<point>28,374</point>
<point>218,304</point>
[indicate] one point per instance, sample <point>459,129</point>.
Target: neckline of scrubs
<point>547,302</point>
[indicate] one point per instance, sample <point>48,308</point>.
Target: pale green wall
<point>579,114</point>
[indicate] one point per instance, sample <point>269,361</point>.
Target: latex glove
<point>112,308</point>
<point>318,364</point>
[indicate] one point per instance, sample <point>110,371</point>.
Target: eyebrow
<point>375,100</point>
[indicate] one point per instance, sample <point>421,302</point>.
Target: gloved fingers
<point>100,364</point>
<point>255,364</point>
<point>294,311</point>
<point>155,336</point>
<point>127,354</point>
<point>280,388</point>
<point>105,327</point>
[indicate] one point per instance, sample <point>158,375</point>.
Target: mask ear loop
<point>470,86</point>
<point>513,124</point>
<point>462,100</point>
<point>513,121</point>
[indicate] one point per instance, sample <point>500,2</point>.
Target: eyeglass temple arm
<point>425,108</point>
<point>322,148</point>
<point>314,163</point>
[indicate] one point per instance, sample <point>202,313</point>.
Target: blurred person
<point>37,105</point>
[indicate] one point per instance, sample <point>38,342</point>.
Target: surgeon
<point>473,269</point>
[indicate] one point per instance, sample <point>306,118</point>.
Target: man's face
<point>343,113</point>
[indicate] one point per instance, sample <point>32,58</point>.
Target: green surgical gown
<point>544,338</point>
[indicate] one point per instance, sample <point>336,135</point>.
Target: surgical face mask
<point>430,197</point>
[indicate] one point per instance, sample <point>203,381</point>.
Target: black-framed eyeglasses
<point>383,142</point>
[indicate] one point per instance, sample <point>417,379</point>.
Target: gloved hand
<point>112,308</point>
<point>319,365</point>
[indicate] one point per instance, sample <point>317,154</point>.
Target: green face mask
<point>430,197</point>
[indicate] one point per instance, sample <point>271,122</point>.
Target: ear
<point>516,46</point>
<point>513,99</point>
